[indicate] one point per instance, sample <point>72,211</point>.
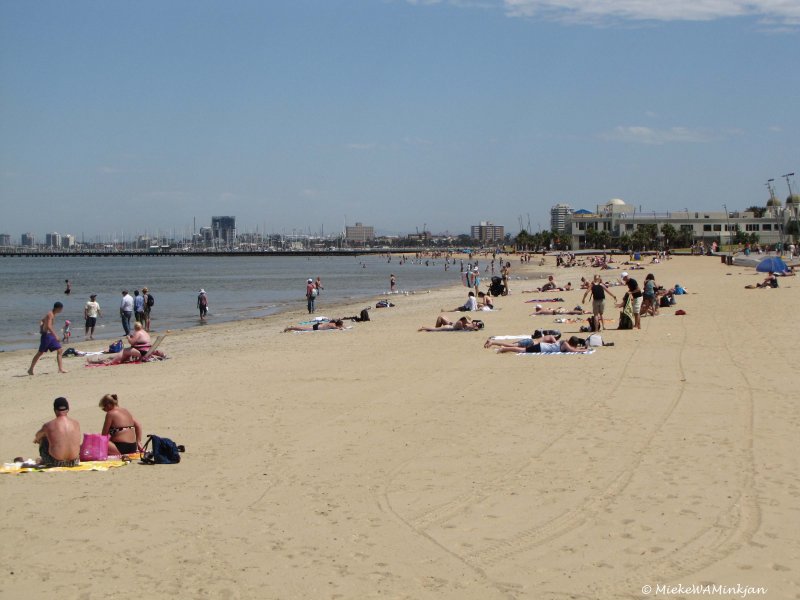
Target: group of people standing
<point>137,306</point>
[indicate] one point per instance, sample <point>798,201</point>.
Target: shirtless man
<point>60,439</point>
<point>49,340</point>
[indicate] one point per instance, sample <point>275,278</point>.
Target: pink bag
<point>94,447</point>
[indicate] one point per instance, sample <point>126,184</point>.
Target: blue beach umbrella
<point>771,264</point>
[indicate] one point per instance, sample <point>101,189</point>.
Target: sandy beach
<point>380,462</point>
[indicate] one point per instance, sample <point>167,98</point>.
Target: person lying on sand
<point>523,343</point>
<point>462,324</point>
<point>337,324</point>
<point>548,344</point>
<point>578,310</point>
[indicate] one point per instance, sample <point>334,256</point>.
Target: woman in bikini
<point>124,430</point>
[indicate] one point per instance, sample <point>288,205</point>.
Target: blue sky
<point>298,115</point>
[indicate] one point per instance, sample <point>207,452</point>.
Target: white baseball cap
<point>624,273</point>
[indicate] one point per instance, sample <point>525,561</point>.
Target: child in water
<point>65,331</point>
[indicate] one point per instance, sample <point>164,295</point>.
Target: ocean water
<point>238,288</point>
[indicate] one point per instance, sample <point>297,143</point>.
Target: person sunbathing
<point>462,324</point>
<point>139,346</point>
<point>485,301</point>
<point>124,431</point>
<point>525,342</point>
<point>547,345</point>
<point>470,305</point>
<point>578,310</point>
<point>321,326</point>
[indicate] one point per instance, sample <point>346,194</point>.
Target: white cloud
<point>783,12</point>
<point>645,135</point>
<point>776,129</point>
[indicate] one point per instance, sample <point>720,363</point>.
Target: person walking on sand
<point>311,295</point>
<point>202,304</point>
<point>49,340</point>
<point>91,312</point>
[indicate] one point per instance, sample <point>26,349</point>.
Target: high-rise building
<point>487,232</point>
<point>67,240</point>
<point>558,217</point>
<point>224,230</point>
<point>28,240</point>
<point>52,240</point>
<point>359,233</point>
<point>5,239</point>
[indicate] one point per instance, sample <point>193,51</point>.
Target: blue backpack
<point>162,451</point>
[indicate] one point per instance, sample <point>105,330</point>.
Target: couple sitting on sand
<point>60,439</point>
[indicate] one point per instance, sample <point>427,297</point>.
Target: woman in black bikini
<point>124,430</point>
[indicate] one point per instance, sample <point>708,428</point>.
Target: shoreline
<point>527,272</point>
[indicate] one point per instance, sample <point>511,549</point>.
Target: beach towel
<point>98,465</point>
<point>545,300</point>
<point>626,314</point>
<point>589,351</point>
<point>323,330</point>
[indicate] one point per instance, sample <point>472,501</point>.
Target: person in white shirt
<point>90,312</point>
<point>126,311</point>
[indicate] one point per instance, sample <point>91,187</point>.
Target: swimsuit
<point>112,431</point>
<point>48,343</point>
<point>315,326</point>
<point>49,461</point>
<point>126,447</point>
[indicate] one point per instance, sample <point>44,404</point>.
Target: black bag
<point>625,322</point>
<point>150,300</point>
<point>162,451</point>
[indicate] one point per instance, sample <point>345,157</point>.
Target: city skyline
<point>297,116</point>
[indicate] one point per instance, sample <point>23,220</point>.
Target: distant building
<point>5,239</point>
<point>359,233</point>
<point>618,218</point>
<point>487,232</point>
<point>558,217</point>
<point>224,230</point>
<point>52,240</point>
<point>27,240</point>
<point>67,241</point>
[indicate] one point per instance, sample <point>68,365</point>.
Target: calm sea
<point>237,287</point>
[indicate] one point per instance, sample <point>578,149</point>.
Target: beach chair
<point>153,348</point>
